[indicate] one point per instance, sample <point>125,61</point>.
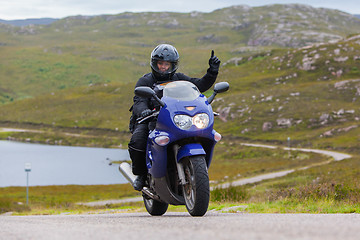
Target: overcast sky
<point>22,9</point>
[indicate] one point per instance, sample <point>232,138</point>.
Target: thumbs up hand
<point>214,63</point>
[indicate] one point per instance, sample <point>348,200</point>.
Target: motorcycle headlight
<point>183,121</point>
<point>201,120</point>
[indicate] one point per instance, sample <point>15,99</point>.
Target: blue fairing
<point>157,155</point>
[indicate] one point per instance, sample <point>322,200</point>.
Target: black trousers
<point>137,149</point>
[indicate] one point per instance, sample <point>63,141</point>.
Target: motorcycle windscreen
<point>181,90</point>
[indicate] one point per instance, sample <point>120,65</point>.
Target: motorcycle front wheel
<point>196,190</point>
<point>155,208</point>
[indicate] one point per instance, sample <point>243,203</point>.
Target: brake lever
<point>154,114</point>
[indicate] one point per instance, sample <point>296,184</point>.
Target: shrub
<point>319,191</point>
<point>230,194</point>
<point>8,205</point>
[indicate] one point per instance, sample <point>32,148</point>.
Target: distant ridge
<point>47,21</point>
<point>30,21</point>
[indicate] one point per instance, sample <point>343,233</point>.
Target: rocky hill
<point>291,25</point>
<point>311,94</point>
<point>82,50</point>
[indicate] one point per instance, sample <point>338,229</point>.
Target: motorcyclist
<point>164,63</point>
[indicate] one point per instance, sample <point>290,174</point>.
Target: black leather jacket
<point>140,104</point>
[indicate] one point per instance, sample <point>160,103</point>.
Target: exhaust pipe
<point>126,171</point>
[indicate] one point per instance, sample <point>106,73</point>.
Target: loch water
<point>58,165</point>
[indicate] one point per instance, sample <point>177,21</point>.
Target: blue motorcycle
<point>179,149</point>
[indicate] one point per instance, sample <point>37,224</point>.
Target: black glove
<point>145,113</point>
<point>214,63</point>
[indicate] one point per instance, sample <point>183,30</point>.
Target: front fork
<point>188,150</point>
<point>179,166</point>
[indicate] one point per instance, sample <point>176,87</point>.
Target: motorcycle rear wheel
<point>154,207</point>
<point>196,190</point>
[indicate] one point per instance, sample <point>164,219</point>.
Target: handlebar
<point>154,113</point>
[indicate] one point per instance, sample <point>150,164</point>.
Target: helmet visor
<point>164,67</point>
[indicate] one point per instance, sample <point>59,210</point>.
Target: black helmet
<point>167,53</point>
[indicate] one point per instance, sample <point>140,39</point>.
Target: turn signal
<point>217,136</point>
<point>162,140</point>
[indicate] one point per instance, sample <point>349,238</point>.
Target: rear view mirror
<point>146,92</point>
<point>219,88</point>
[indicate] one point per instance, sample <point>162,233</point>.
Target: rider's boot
<point>139,182</point>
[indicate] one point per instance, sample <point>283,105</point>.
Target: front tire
<point>196,190</point>
<point>154,207</point>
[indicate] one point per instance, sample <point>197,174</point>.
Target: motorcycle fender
<point>191,149</point>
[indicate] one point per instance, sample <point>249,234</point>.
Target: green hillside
<point>286,79</point>
<point>309,94</point>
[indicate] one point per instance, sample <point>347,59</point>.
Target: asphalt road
<point>173,226</point>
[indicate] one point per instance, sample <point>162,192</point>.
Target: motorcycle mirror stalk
<point>218,88</point>
<point>146,92</point>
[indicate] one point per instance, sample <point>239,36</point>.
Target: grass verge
<point>331,188</point>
